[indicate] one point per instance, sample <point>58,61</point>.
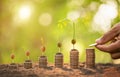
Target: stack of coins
<point>59,60</point>
<point>42,62</point>
<point>3,66</point>
<point>13,66</point>
<point>74,58</point>
<point>28,64</point>
<point>90,58</point>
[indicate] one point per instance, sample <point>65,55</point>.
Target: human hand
<point>114,47</point>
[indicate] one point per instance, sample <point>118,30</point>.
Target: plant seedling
<point>73,40</point>
<point>59,46</point>
<point>42,49</point>
<point>28,54</point>
<point>12,57</point>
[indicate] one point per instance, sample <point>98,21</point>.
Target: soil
<point>100,70</point>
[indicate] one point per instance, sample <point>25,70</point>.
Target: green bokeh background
<point>26,35</point>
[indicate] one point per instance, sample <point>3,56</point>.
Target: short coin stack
<point>59,60</point>
<point>43,62</point>
<point>28,64</point>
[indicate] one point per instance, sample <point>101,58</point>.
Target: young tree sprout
<point>42,49</point>
<point>12,57</point>
<point>28,54</point>
<point>73,40</point>
<point>59,46</point>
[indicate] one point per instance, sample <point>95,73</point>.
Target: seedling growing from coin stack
<point>28,62</point>
<point>59,57</point>
<point>43,58</point>
<point>74,54</point>
<point>12,65</point>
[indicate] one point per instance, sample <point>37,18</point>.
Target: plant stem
<point>42,53</point>
<point>12,60</point>
<point>73,46</point>
<point>28,57</point>
<point>59,49</point>
<point>73,30</point>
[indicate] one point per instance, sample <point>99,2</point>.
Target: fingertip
<point>98,41</point>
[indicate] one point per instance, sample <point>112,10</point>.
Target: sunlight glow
<point>106,13</point>
<point>24,12</point>
<point>73,15</point>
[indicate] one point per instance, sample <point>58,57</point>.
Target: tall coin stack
<point>90,58</point>
<point>74,58</point>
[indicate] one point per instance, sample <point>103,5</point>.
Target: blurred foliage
<point>117,19</point>
<point>26,35</point>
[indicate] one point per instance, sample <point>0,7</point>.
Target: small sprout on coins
<point>28,54</point>
<point>59,45</point>
<point>42,49</point>
<point>12,57</point>
<point>73,42</point>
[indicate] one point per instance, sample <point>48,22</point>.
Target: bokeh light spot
<point>73,15</point>
<point>45,19</point>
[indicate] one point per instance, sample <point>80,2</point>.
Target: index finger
<point>109,48</point>
<point>109,35</point>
